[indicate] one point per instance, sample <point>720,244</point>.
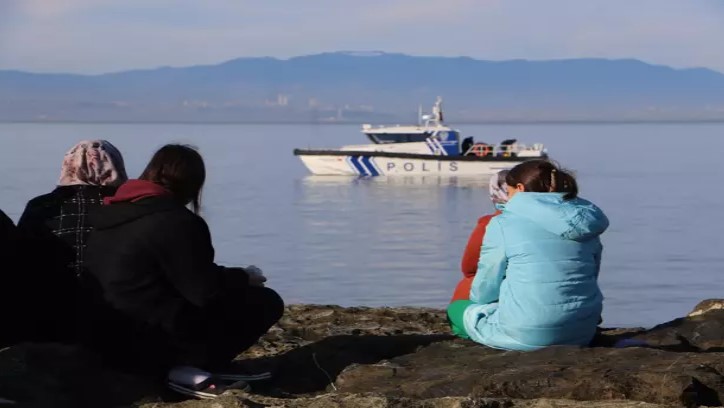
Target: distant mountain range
<point>370,87</point>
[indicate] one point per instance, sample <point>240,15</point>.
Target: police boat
<point>428,148</point>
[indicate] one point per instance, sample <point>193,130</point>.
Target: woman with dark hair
<point>54,230</point>
<point>173,307</point>
<point>536,283</point>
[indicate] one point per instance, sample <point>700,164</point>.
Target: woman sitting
<point>54,228</point>
<point>536,283</point>
<point>469,264</point>
<point>154,264</point>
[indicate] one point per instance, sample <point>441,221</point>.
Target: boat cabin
<point>430,129</point>
<point>447,138</point>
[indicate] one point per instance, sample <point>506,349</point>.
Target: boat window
<point>398,137</point>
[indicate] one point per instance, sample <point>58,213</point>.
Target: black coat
<point>7,232</point>
<point>8,244</point>
<point>53,233</point>
<point>55,226</point>
<point>8,282</point>
<point>153,260</point>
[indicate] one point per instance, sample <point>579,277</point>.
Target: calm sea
<point>398,241</point>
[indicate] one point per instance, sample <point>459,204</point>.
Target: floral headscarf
<point>93,162</point>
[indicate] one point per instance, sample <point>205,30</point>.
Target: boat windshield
<point>398,137</point>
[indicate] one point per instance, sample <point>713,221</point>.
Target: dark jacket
<point>8,244</point>
<point>55,226</point>
<point>8,281</point>
<point>53,233</point>
<point>7,232</point>
<point>153,259</point>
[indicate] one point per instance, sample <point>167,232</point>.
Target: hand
<point>256,276</point>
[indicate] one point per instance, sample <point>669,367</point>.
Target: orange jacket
<point>471,256</point>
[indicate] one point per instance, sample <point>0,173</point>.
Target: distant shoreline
<point>352,88</point>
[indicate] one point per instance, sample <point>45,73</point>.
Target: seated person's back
<point>536,283</point>
<point>549,294</point>
<point>57,224</point>
<point>152,261</point>
<point>54,230</point>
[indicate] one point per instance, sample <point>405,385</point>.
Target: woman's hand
<point>256,276</point>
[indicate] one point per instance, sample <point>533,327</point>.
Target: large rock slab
<point>328,356</point>
<point>371,400</point>
<point>457,368</point>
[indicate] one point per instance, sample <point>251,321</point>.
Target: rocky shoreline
<point>329,356</point>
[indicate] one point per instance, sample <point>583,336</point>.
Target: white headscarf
<point>499,189</point>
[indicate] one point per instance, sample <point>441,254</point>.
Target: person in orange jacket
<point>471,256</point>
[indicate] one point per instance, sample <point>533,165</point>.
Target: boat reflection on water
<point>399,181</point>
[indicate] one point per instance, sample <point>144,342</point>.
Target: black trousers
<point>208,338</point>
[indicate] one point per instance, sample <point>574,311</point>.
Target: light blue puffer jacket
<point>536,283</point>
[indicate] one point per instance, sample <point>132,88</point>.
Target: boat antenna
<point>419,115</point>
<point>437,110</point>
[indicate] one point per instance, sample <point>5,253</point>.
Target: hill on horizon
<point>370,87</point>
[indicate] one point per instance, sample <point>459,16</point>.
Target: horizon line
<point>349,123</point>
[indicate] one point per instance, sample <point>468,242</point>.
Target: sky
<point>96,36</point>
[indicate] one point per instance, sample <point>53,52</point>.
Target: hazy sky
<point>91,36</point>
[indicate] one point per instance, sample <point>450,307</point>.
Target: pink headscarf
<point>93,162</point>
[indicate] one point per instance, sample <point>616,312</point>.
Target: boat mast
<point>437,111</point>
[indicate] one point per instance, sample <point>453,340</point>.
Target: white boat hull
<point>371,164</point>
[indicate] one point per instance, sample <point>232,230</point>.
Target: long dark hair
<point>543,176</point>
<point>180,169</point>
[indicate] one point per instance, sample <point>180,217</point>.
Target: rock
<point>459,368</point>
<point>304,324</point>
<point>328,356</point>
<point>706,306</point>
<point>381,401</point>
<point>701,332</point>
<point>333,338</point>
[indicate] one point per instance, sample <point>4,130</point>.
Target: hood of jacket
<point>577,219</point>
<point>133,200</point>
